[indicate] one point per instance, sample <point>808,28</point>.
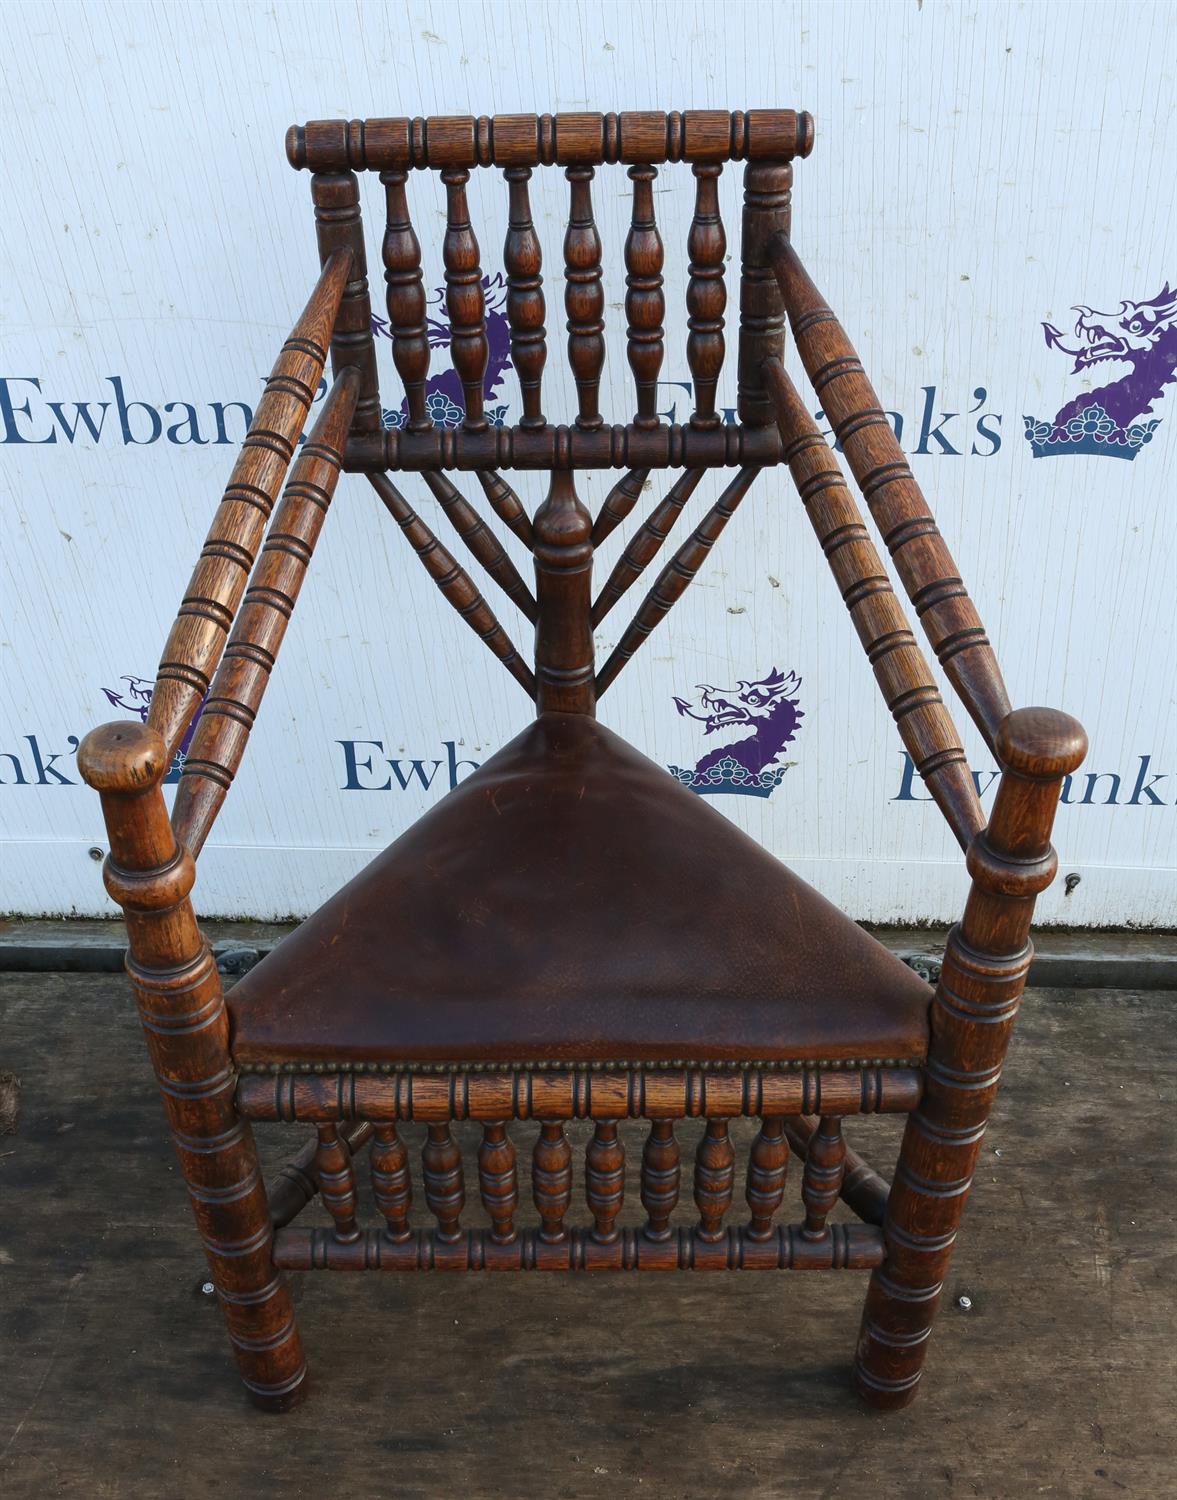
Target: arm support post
<point>181,1006</point>
<point>973,1013</point>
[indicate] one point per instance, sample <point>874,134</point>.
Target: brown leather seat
<point>571,901</point>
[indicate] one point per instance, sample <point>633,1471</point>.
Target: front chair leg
<point>973,1013</point>
<point>182,1009</point>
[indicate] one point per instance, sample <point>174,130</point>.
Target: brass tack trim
<point>444,1069</point>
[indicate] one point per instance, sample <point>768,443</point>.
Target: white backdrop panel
<point>979,170</point>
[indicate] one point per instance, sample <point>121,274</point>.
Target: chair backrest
<point>562,536</point>
<point>765,140</point>
<point>772,427</point>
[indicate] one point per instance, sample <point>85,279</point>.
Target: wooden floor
<point>1059,1381</point>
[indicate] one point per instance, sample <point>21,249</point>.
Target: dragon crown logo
<point>135,699</point>
<point>768,710</point>
<point>1142,335</point>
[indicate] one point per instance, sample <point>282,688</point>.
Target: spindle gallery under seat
<point>390,1003</point>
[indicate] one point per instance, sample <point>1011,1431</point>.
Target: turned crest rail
<point>710,1193</point>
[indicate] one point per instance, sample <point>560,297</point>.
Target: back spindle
<point>604,1180</point>
<point>768,1164</point>
<point>507,505</point>
<point>336,196</point>
<point>644,545</point>
<point>525,297</point>
<point>821,1180</point>
<point>456,585</point>
<point>715,1175</point>
<point>645,303</point>
<point>294,1185</point>
<point>862,1189</point>
<point>551,1180</point>
<point>481,541</point>
<point>445,1187</point>
<point>661,1173</point>
<point>706,294</point>
<point>563,590</point>
<point>392,1183</point>
<point>337,1182</point>
<point>767,192</point>
<point>498,1181</point>
<point>464,299</point>
<point>618,503</point>
<point>406,300</point>
<point>584,298</point>
<point>676,576</point>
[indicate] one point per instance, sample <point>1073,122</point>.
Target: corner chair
<point>568,935</point>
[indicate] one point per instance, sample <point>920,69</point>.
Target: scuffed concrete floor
<point>1059,1381</point>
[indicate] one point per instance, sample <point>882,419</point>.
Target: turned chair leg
<point>181,1006</point>
<point>973,1013</point>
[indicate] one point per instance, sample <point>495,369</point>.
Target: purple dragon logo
<point>748,765</point>
<point>1142,335</point>
<point>443,393</point>
<point>135,699</point>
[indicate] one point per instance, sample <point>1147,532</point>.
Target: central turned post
<point>564,666</point>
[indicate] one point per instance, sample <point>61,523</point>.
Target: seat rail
<point>434,1092</point>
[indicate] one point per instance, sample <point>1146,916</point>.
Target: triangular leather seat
<point>570,901</point>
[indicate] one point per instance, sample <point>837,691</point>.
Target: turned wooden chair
<point>567,935</point>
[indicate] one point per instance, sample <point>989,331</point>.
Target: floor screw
<point>964,1302</point>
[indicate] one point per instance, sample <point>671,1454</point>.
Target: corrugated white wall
<point>979,169</point>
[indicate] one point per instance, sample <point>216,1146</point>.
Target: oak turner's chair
<point>567,935</point>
